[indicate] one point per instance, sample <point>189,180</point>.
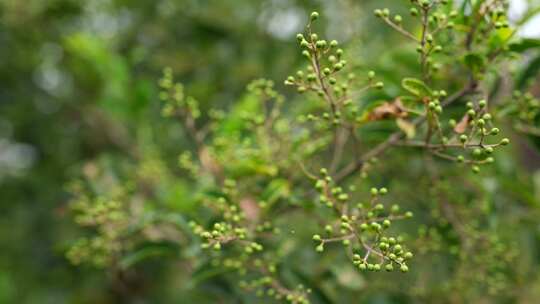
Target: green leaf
<point>416,87</point>
<point>531,71</point>
<point>148,251</point>
<point>524,45</point>
<point>474,62</point>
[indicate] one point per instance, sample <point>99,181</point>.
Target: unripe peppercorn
<point>505,141</point>
<point>404,268</point>
<point>397,19</point>
<point>463,138</point>
<point>494,131</point>
<point>389,267</point>
<point>371,75</point>
<point>482,103</point>
<point>326,71</point>
<point>316,237</point>
<point>319,248</point>
<point>408,255</point>
<point>374,191</point>
<point>379,85</point>
<point>314,16</point>
<point>378,13</point>
<point>333,43</point>
<point>320,44</point>
<point>475,169</point>
<point>383,191</point>
<point>413,11</point>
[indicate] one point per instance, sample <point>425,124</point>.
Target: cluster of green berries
<point>528,107</point>
<point>362,226</point>
<point>436,20</point>
<point>268,286</point>
<point>479,126</point>
<point>434,106</point>
<point>176,102</point>
<point>325,61</point>
<point>111,221</point>
<point>223,233</point>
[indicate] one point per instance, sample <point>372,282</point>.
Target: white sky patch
<point>283,24</point>
<point>531,29</point>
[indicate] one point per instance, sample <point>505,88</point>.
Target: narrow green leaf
<point>416,87</point>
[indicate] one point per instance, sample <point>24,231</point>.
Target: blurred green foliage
<point>78,93</point>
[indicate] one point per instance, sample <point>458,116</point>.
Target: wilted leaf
<point>250,208</point>
<point>416,87</point>
<point>461,127</point>
<point>407,127</point>
<point>388,110</point>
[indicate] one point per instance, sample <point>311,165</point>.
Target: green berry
<point>482,103</point>
<point>314,16</point>
<point>404,268</point>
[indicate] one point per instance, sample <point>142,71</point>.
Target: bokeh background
<point>78,82</point>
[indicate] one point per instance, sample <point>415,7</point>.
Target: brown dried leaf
<point>250,208</point>
<point>462,125</point>
<point>388,110</point>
